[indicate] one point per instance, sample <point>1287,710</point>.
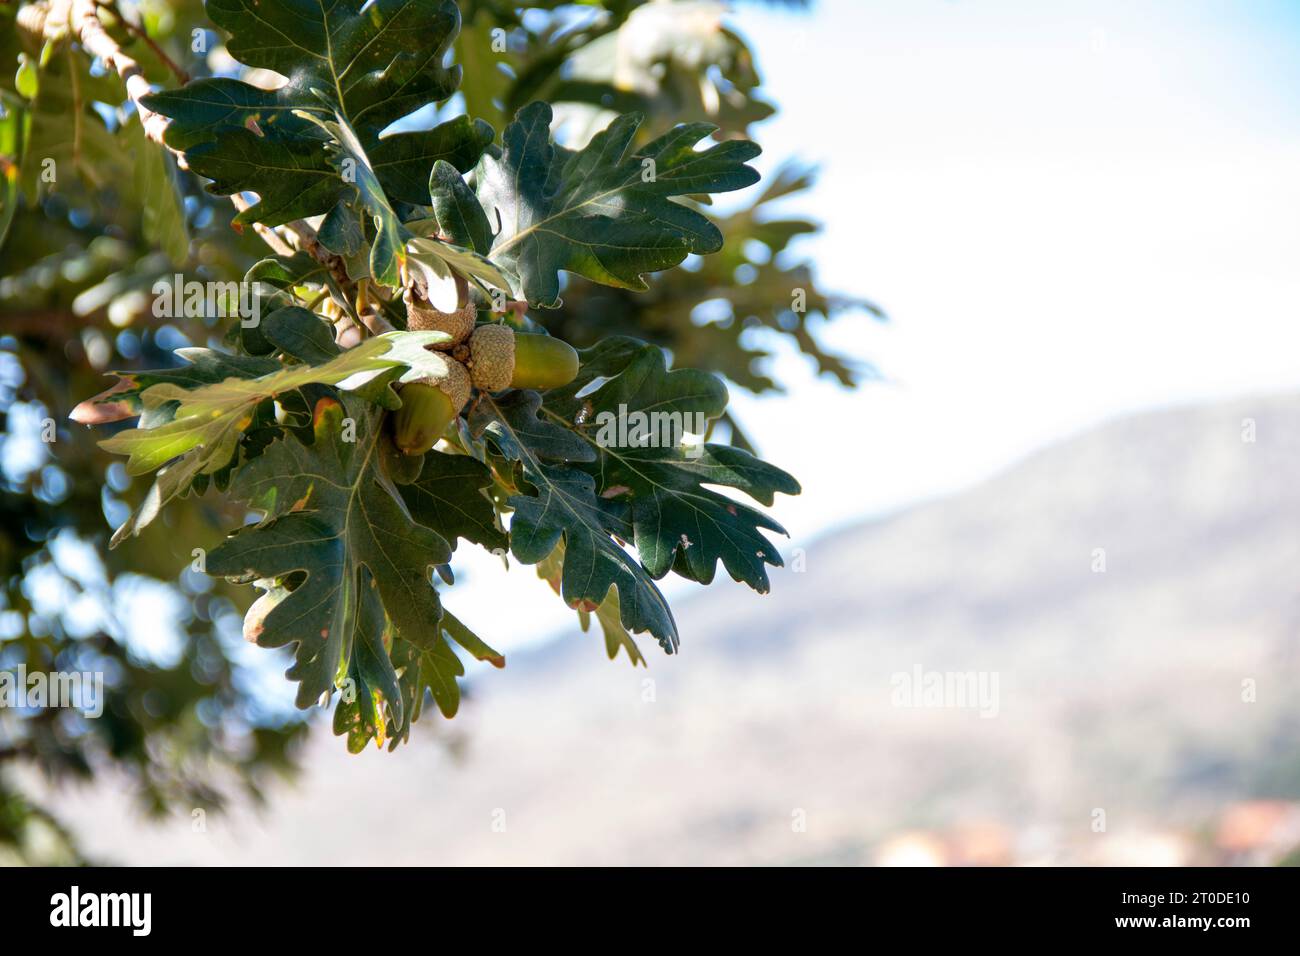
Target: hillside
<point>1118,689</point>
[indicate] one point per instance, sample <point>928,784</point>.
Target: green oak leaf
<point>300,333</point>
<point>608,615</point>
<point>171,482</point>
<point>341,231</point>
<point>369,63</point>
<point>562,506</point>
<point>408,673</point>
<point>162,208</point>
<point>204,367</point>
<point>433,670</point>
<point>606,211</point>
<point>456,210</point>
<point>636,414</point>
<point>361,711</point>
<point>123,400</point>
<point>448,496</point>
<point>402,162</point>
<point>388,251</point>
<point>189,432</point>
<point>396,240</point>
<point>343,560</point>
<point>211,418</point>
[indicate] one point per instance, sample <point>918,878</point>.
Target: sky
<point>1070,211</point>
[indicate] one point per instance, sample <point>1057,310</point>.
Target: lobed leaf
<point>605,212</point>
<point>636,413</point>
<point>562,506</point>
<point>338,541</point>
<point>367,63</point>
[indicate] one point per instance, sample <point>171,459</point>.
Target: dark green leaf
<point>433,670</point>
<point>448,497</point>
<point>604,212</point>
<point>402,162</point>
<point>608,615</point>
<point>564,507</point>
<point>370,68</point>
<point>637,418</point>
<point>301,334</point>
<point>460,217</point>
<point>162,210</point>
<point>330,513</point>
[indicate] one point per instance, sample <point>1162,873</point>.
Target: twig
<point>376,323</point>
<point>87,28</point>
<point>140,32</point>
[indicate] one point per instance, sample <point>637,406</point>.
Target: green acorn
<point>500,357</point>
<point>429,405</point>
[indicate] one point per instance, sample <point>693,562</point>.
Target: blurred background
<point>1063,465</point>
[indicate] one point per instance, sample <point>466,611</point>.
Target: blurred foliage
<point>184,726</point>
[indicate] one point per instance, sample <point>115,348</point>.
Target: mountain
<point>1126,601</point>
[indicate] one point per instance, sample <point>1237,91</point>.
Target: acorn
<point>422,317</point>
<point>429,405</point>
<point>502,358</point>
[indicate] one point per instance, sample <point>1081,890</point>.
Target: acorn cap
<point>453,380</point>
<point>422,317</point>
<point>492,357</point>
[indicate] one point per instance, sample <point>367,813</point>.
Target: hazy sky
<point>1070,211</point>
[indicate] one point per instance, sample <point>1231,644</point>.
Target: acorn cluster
<point>488,357</point>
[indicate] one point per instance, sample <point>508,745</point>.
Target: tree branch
<point>83,19</point>
<point>87,28</point>
<point>137,30</point>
